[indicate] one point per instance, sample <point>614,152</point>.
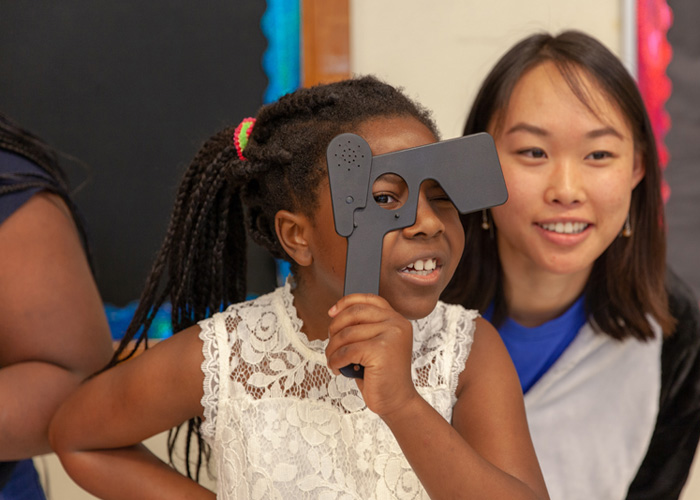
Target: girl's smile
<point>422,272</point>
<point>422,267</point>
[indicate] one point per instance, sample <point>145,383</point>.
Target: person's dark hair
<point>201,266</point>
<point>627,280</point>
<point>17,140</point>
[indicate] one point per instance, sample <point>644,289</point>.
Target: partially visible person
<point>53,330</point>
<point>572,272</point>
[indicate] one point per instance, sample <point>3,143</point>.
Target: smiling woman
<point>571,270</point>
<point>570,184</point>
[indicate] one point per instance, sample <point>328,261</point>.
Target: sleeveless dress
<point>282,426</point>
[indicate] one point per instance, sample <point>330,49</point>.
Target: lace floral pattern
<point>283,426</point>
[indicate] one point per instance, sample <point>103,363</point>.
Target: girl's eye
<point>439,195</point>
<point>599,155</point>
<point>390,191</point>
<point>533,153</point>
<point>385,199</point>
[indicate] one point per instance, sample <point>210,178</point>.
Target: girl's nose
<point>565,183</point>
<point>428,223</point>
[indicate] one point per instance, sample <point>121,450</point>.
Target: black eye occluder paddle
<point>467,169</point>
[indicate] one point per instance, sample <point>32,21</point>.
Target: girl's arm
<point>97,432</point>
<point>53,332</point>
<point>487,451</point>
<point>488,446</point>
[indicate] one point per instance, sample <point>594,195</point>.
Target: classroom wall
<point>439,51</point>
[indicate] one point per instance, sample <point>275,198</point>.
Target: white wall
<point>440,50</point>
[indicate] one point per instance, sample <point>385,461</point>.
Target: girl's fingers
<point>367,352</point>
<point>357,298</point>
<point>352,335</point>
<point>345,355</point>
<point>362,334</point>
<point>359,309</point>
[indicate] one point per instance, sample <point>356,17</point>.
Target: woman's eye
<point>599,155</point>
<point>533,153</point>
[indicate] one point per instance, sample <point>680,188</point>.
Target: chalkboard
<point>131,89</point>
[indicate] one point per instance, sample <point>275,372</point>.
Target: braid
<point>202,246</point>
<point>201,266</point>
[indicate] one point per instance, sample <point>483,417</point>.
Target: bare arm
<point>53,331</point>
<point>121,407</point>
<point>488,445</point>
<point>487,451</point>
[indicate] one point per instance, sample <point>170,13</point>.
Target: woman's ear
<point>293,231</point>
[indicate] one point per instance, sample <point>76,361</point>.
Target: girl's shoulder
<point>269,318</point>
<point>451,319</point>
<point>447,332</point>
<point>276,298</point>
<point>277,304</point>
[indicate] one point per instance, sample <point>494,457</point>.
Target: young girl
<point>439,411</point>
<point>571,270</point>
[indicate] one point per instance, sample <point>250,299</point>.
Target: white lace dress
<point>282,426</point>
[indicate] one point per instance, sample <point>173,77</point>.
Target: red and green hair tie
<point>241,135</point>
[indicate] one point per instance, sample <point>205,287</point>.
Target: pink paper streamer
<point>654,18</point>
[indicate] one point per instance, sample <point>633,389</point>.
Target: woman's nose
<point>565,183</point>
<point>428,222</point>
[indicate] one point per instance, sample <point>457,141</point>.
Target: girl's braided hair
<point>17,140</point>
<point>201,266</point>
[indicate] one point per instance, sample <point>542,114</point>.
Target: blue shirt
<point>12,168</point>
<point>535,350</point>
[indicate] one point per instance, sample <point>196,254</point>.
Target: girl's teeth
<point>565,227</point>
<point>422,267</point>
